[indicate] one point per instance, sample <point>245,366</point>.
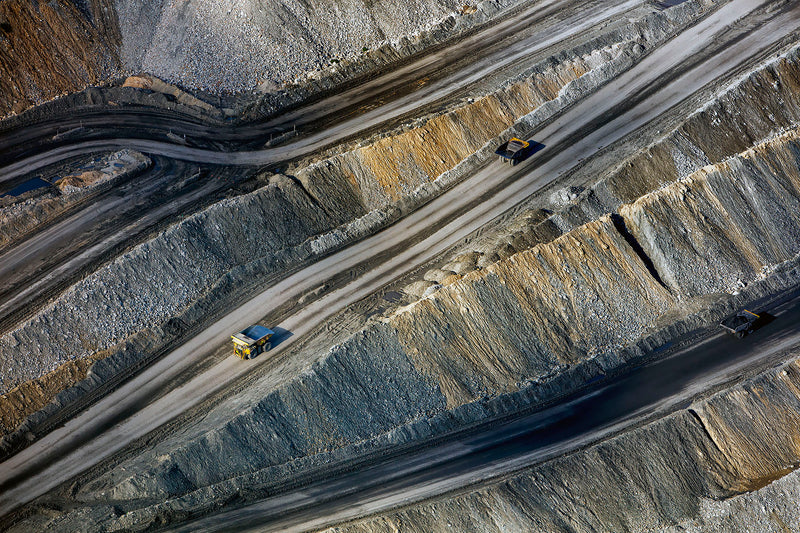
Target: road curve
<point>477,69</point>
<point>634,98</point>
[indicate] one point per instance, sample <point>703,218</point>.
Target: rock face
<point>581,297</point>
<point>671,472</point>
<point>345,189</point>
<point>21,215</point>
<point>127,295</point>
<point>753,108</point>
<point>722,225</point>
<point>237,45</point>
<point>393,167</point>
<point>49,48</point>
<point>729,124</point>
<point>554,304</point>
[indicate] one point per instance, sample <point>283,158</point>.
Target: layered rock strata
<point>323,196</point>
<point>21,215</point>
<point>676,474</point>
<point>51,48</point>
<point>126,295</point>
<point>583,297</point>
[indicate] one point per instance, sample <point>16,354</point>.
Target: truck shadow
<point>532,149</point>
<point>764,318</point>
<point>280,335</point>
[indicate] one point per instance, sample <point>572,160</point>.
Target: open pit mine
<point>364,266</point>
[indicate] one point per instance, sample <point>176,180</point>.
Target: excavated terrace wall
<point>128,295</point>
<point>753,108</point>
<point>392,168</point>
<point>580,299</point>
<point>671,472</point>
<point>337,195</point>
<point>419,160</point>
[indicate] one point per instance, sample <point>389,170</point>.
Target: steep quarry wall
<point>758,106</point>
<point>753,108</point>
<point>128,294</point>
<point>719,228</point>
<point>583,297</point>
<point>19,216</point>
<point>388,171</point>
<point>51,48</point>
<point>395,166</point>
<point>672,472</point>
<point>236,45</point>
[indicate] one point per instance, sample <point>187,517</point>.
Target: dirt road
<point>603,409</point>
<point>698,56</point>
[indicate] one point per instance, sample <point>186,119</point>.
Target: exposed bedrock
<point>393,167</point>
<point>673,471</point>
<point>238,45</point>
<point>221,238</point>
<point>429,153</point>
<point>583,297</point>
<point>754,107</point>
<point>128,294</point>
<point>751,109</point>
<point>720,227</point>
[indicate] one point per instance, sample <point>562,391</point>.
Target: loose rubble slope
<point>672,474</point>
<point>583,297</point>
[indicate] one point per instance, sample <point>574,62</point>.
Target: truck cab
<point>252,341</point>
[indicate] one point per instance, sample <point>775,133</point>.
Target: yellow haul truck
<point>251,341</point>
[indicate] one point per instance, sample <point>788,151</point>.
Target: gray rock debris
<point>238,45</point>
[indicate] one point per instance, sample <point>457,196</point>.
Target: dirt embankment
<point>580,299</point>
<point>51,48</point>
<point>751,109</point>
<point>391,168</point>
<point>19,216</point>
<point>127,296</point>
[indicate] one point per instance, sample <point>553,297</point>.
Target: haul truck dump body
<point>740,324</point>
<point>516,150</point>
<point>513,151</point>
<point>251,341</point>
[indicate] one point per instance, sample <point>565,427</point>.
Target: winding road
<point>706,52</point>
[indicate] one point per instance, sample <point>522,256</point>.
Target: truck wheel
<point>514,162</point>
